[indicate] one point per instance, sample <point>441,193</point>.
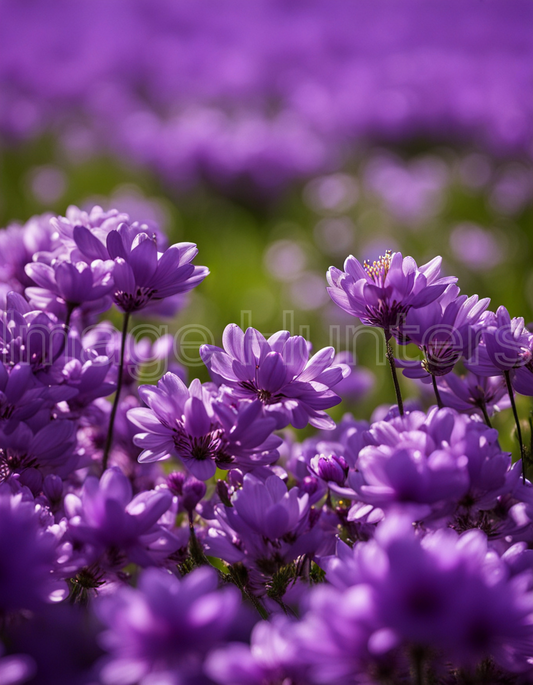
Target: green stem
<point>109,439</point>
<point>392,364</point>
<point>436,390</point>
<point>486,416</point>
<point>517,422</point>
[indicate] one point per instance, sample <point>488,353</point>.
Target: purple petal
<point>272,373</point>
<point>88,244</point>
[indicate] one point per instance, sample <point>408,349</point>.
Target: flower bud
<point>192,492</point>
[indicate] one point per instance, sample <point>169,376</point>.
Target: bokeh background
<point>281,136</point>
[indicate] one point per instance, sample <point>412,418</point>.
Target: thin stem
<point>109,439</point>
<point>195,548</point>
<point>437,393</point>
<point>517,422</point>
<point>66,328</point>
<point>486,416</point>
<point>392,364</point>
<point>418,667</point>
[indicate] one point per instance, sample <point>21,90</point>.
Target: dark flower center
<point>265,396</point>
<point>131,302</point>
<point>210,446</point>
<point>11,463</point>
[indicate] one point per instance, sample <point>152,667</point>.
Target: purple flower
<point>74,282</point>
<point>330,468</point>
<point>204,433</point>
<point>270,658</point>
<point>292,388</point>
<point>341,640</point>
<point>446,331</point>
<point>49,450</point>
<point>27,556</point>
<point>164,628</point>
<point>27,336</point>
<point>505,345</point>
<point>61,642</point>
<point>445,592</point>
<point>16,668</point>
<point>382,293</point>
<point>142,274</point>
<point>114,527</point>
<point>268,508</point>
<point>434,465</point>
<point>189,489</point>
<point>469,394</point>
<point>266,527</point>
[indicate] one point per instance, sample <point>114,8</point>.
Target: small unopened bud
<point>192,492</point>
<point>331,468</point>
<point>175,482</point>
<point>223,493</point>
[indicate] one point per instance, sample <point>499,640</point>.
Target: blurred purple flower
<point>27,556</point>
<point>445,591</point>
<point>115,528</point>
<point>163,629</point>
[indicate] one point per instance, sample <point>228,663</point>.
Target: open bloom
<point>161,631</point>
<point>446,331</point>
<point>192,424</point>
<point>107,520</point>
<point>141,273</point>
<point>505,345</point>
<point>381,294</point>
<point>432,464</point>
<point>74,282</point>
<point>292,388</point>
<point>445,591</point>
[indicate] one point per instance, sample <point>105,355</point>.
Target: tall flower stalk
<point>510,390</point>
<point>392,365</point>
<point>109,437</point>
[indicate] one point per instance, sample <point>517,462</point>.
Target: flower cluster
<point>199,103</point>
<point>181,535</point>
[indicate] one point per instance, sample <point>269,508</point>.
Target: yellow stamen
<point>379,268</point>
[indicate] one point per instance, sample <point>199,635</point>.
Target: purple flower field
<point>221,461</point>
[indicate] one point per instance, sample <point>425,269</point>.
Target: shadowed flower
<point>27,556</point>
<point>161,631</point>
<point>445,591</point>
<point>107,520</point>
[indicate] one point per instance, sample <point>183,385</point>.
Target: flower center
<point>131,302</point>
<point>379,269</point>
<point>210,446</point>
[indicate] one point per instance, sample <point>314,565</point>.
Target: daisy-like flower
<point>141,273</point>
<point>380,294</point>
<point>197,426</point>
<point>292,388</point>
